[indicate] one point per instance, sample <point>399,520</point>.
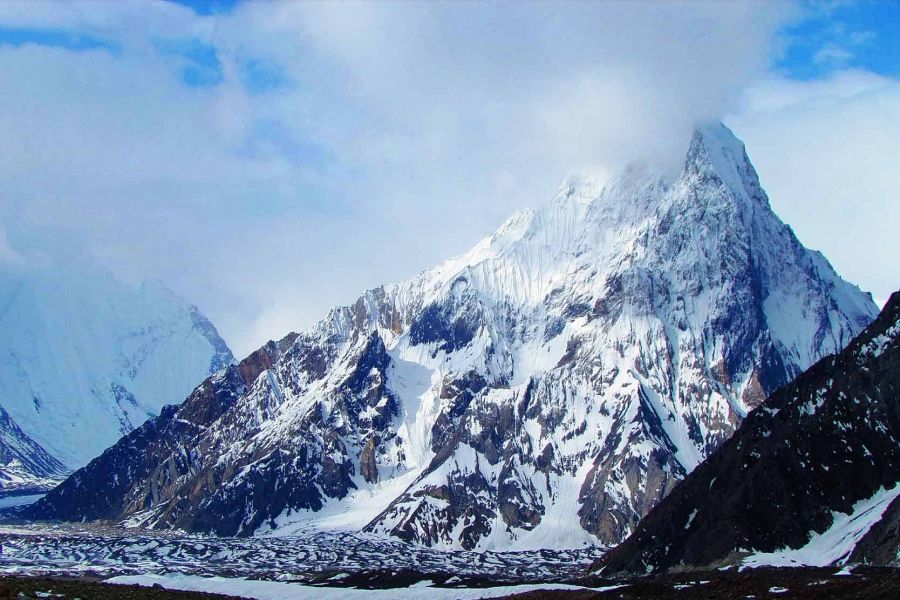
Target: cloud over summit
<point>273,160</point>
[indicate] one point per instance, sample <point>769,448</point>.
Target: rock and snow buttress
<point>86,358</point>
<point>820,456</point>
<point>546,389</point>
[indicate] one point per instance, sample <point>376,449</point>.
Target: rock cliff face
<point>547,388</point>
<point>815,448</point>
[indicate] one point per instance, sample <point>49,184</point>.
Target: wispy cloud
<point>858,38</point>
<point>832,55</point>
<point>9,256</point>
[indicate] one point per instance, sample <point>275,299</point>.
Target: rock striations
<point>546,389</point>
<point>813,450</point>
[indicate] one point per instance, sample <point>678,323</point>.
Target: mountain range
<point>546,389</point>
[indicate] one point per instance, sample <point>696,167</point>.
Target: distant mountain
<point>825,446</point>
<point>85,358</point>
<point>546,389</point>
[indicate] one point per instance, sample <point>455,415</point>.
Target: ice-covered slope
<point>24,465</point>
<point>545,389</point>
<point>85,358</point>
<point>803,480</point>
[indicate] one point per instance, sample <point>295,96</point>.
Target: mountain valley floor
<point>335,558</point>
<point>69,561</point>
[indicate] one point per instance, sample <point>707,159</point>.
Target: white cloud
<point>9,256</point>
<point>858,38</point>
<point>832,55</point>
<point>405,132</point>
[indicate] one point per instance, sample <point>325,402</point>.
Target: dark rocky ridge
<point>817,445</point>
<point>166,470</point>
<point>264,358</point>
<point>129,476</point>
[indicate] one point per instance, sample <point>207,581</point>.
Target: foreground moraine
<point>870,583</point>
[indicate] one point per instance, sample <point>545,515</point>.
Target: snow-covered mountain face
<point>803,480</point>
<point>85,358</point>
<point>546,389</point>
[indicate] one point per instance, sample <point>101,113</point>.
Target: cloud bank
<point>275,160</point>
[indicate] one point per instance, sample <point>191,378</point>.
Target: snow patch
<point>835,545</point>
<point>273,590</point>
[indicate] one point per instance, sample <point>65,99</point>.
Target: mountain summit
<point>546,389</point>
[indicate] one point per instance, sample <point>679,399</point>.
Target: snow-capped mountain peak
<point>715,151</point>
<point>546,388</point>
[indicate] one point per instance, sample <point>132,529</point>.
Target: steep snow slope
<point>23,463</point>
<point>545,389</point>
<point>804,478</point>
<point>85,358</point>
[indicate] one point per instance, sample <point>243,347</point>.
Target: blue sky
<point>317,149</point>
<point>859,35</point>
<point>209,7</point>
<point>53,37</point>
